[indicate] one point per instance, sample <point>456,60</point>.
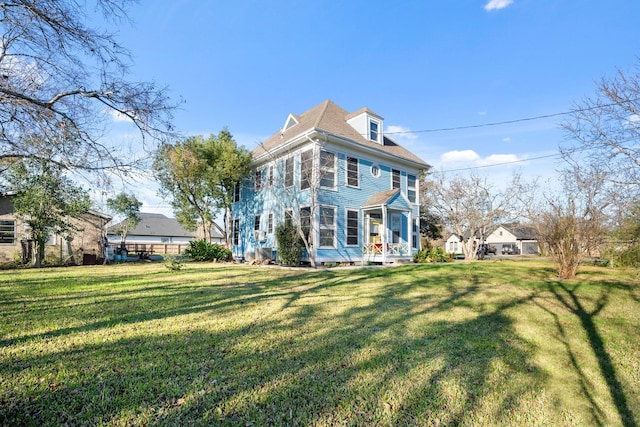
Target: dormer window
<point>368,124</point>
<point>373,130</point>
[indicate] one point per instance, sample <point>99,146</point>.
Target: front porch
<point>389,229</point>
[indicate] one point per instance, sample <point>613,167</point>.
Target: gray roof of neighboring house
<point>331,118</point>
<point>522,232</point>
<point>155,224</point>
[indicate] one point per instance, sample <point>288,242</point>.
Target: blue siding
<point>272,200</point>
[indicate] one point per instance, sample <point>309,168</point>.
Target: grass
<point>485,343</point>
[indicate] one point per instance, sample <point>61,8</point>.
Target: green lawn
<point>484,343</point>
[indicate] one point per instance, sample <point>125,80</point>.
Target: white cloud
<point>507,139</point>
<point>117,116</point>
<point>497,4</point>
<point>457,156</point>
<point>498,159</point>
<point>469,158</point>
<point>397,132</point>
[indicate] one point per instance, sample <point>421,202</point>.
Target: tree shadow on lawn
<point>568,297</point>
<point>329,350</point>
<point>161,296</point>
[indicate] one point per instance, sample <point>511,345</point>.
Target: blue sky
<point>422,65</point>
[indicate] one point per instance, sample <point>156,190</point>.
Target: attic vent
<point>291,121</point>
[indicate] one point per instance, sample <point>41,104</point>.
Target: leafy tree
<point>199,176</point>
<point>48,200</point>
<point>62,80</point>
<point>128,206</point>
<point>228,165</point>
<point>430,224</point>
<point>184,178</point>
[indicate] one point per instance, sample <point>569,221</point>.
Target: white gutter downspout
<point>384,233</point>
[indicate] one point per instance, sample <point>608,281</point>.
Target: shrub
<point>173,263</point>
<point>290,245</point>
<point>628,257</point>
<point>436,254</point>
<point>201,250</point>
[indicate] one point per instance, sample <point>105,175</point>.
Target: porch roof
<point>391,198</point>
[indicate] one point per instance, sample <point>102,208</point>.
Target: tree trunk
<point>39,254</point>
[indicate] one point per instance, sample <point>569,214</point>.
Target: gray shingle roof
<point>331,118</point>
<point>154,224</point>
<point>381,198</point>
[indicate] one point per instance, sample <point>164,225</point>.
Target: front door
<point>395,228</point>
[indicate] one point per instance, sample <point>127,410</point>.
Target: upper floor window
<point>375,170</point>
<point>270,175</point>
<point>327,169</point>
<point>412,189</point>
<point>306,169</point>
<point>373,130</point>
<point>270,223</point>
<point>352,172</point>
<point>288,172</point>
<point>236,192</point>
<point>395,178</point>
<point>258,179</point>
<point>7,231</point>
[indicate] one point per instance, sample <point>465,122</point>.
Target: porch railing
<point>392,249</point>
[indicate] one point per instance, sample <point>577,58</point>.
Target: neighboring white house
<point>155,228</point>
<point>508,237</point>
<point>453,244</point>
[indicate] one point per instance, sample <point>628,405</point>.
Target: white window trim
<point>346,168</point>
<point>334,227</point>
<point>333,169</point>
<point>377,167</point>
<point>391,178</point>
<point>346,227</point>
<point>379,131</point>
<point>415,188</point>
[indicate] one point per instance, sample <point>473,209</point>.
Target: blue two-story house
<point>354,192</point>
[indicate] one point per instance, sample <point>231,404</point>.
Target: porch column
<point>383,234</point>
<point>410,234</point>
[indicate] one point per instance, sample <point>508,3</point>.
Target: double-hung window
<point>305,222</point>
<point>395,178</point>
<point>236,231</point>
<point>353,227</point>
<point>236,192</point>
<point>412,188</point>
<point>327,169</point>
<point>373,130</point>
<point>270,224</point>
<point>7,231</point>
<point>258,179</point>
<point>327,227</point>
<point>288,172</point>
<point>306,169</point>
<point>352,172</point>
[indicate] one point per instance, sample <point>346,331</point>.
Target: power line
<point>520,120</point>
<point>499,164</point>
